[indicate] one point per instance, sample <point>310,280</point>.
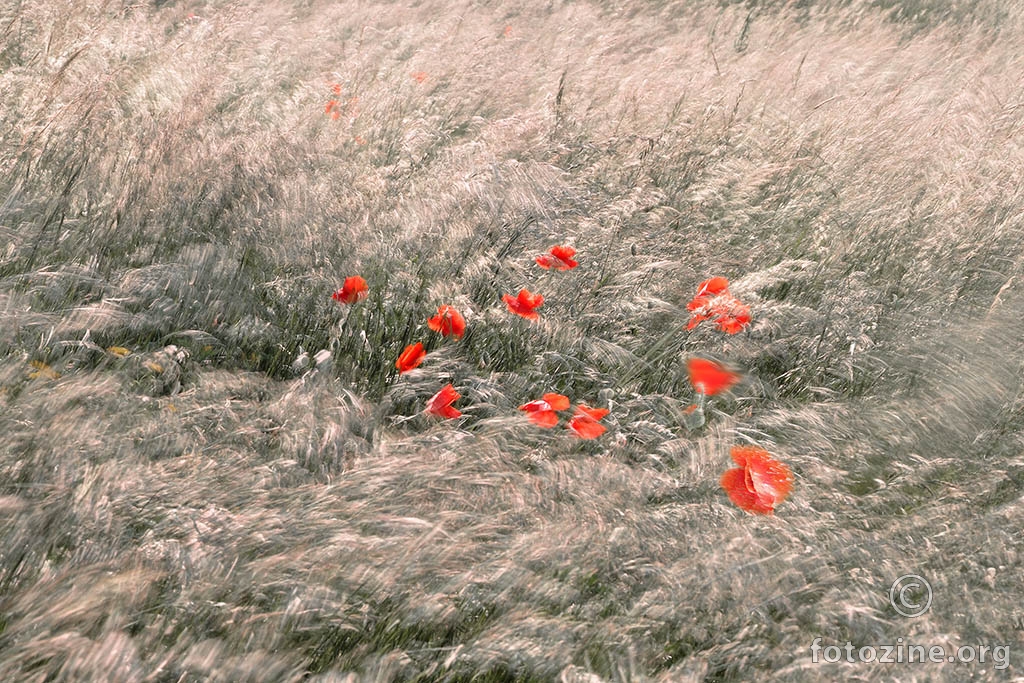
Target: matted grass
<point>185,495</point>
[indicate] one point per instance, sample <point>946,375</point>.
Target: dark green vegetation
<point>205,508</point>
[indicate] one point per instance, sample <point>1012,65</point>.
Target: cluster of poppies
<point>335,109</point>
<point>759,482</point>
<point>448,322</point>
<point>586,422</point>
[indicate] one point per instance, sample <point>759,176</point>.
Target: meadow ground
<point>186,495</point>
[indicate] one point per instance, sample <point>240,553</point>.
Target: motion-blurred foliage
<point>209,470</point>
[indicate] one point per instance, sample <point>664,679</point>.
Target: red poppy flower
<point>557,401</point>
<point>334,109</point>
<point>508,30</point>
<point>354,289</point>
<point>449,322</point>
<point>524,303</point>
<point>419,76</point>
<point>559,258</point>
<point>336,88</point>
<point>585,422</point>
<point>411,357</point>
<point>759,483</point>
<point>708,377</point>
<point>440,403</point>
<point>713,301</point>
<point>542,412</point>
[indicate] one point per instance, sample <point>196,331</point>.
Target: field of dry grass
<point>204,503</point>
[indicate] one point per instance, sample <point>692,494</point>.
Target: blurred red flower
<point>410,358</point>
<point>559,258</point>
<point>419,76</point>
<point>543,412</point>
<point>334,109</point>
<point>440,403</point>
<point>354,289</point>
<point>585,422</point>
<point>708,377</point>
<point>524,304</point>
<point>449,322</point>
<point>759,483</point>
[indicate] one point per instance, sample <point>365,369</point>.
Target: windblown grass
<point>186,494</point>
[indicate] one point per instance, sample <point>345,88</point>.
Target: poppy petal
<point>734,483</point>
<point>728,325</point>
<point>353,289</point>
<point>458,324</point>
<point>557,401</point>
<point>586,427</point>
<point>741,454</point>
<point>698,302</point>
<point>449,322</point>
<point>410,358</point>
<point>585,421</point>
<point>760,482</point>
<point>524,303</point>
<point>440,403</point>
<point>771,479</point>
<point>713,286</point>
<point>543,418</point>
<point>534,406</point>
<point>529,299</point>
<point>449,413</point>
<point>564,255</point>
<point>559,258</point>
<point>737,319</point>
<point>592,413</point>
